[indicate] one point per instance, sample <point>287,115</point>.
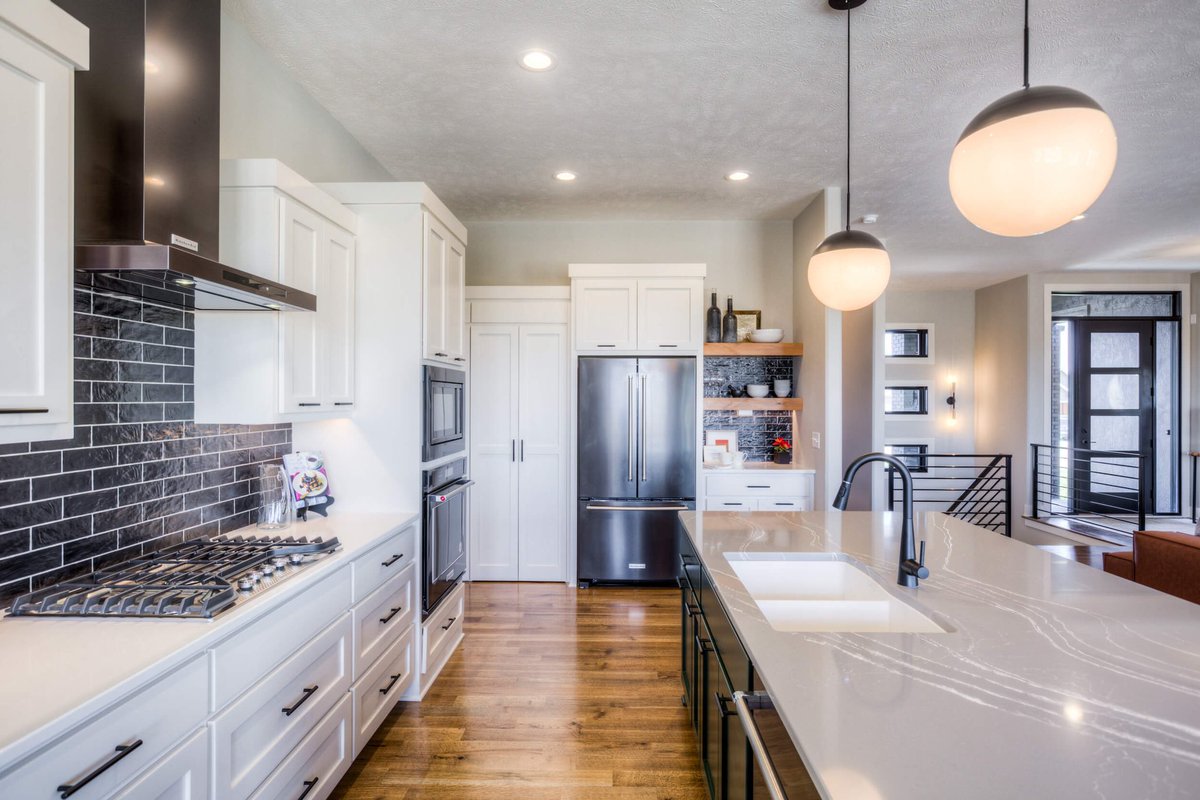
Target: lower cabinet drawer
<point>731,504</point>
<point>253,735</point>
<point>757,484</point>
<point>102,755</point>
<point>442,628</point>
<point>373,568</point>
<point>380,618</point>
<point>182,775</point>
<point>784,504</point>
<point>376,693</point>
<point>316,765</point>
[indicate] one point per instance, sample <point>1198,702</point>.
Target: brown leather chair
<point>1163,560</point>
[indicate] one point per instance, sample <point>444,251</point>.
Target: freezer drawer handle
<point>68,789</point>
<point>637,508</point>
<point>743,702</point>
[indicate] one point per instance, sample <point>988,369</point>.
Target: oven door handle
<point>439,498</point>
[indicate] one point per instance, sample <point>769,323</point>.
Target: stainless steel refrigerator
<point>637,466</point>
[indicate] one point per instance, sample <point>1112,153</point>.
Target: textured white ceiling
<point>652,102</point>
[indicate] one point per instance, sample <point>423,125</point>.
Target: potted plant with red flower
<point>782,451</point>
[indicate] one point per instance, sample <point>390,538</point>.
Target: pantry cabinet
<point>518,425</point>
<point>637,308</point>
<point>444,275</point>
<point>274,367</point>
<point>41,47</point>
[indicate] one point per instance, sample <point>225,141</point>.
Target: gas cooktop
<point>194,580</point>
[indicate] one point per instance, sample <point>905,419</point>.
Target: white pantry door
<point>493,432</point>
<point>542,451</point>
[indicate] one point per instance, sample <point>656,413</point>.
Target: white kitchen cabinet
<point>41,47</point>
<point>518,451</point>
<point>444,270</point>
<point>638,308</point>
<point>763,489</point>
<point>181,775</point>
<point>266,367</point>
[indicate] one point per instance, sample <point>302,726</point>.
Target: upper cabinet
<point>444,274</point>
<point>642,308</point>
<point>41,47</point>
<point>272,367</point>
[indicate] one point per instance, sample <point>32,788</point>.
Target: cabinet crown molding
<point>391,193</point>
<point>637,270</point>
<point>49,26</point>
<point>255,173</point>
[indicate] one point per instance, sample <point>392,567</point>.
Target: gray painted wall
<point>265,113</point>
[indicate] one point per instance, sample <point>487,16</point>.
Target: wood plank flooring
<point>555,694</point>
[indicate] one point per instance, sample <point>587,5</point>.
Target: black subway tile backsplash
<point>757,432</point>
<point>138,473</point>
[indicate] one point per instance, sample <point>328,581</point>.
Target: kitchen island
<point>1043,678</point>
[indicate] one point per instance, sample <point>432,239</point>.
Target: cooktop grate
<point>196,579</point>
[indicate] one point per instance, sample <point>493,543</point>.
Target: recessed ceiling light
<point>870,219</point>
<point>738,175</point>
<point>537,60</point>
<point>565,175</point>
<point>1078,217</point>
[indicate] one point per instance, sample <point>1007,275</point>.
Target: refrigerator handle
<point>645,388</point>
<point>629,433</point>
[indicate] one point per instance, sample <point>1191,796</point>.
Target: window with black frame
<point>912,456</point>
<point>902,401</point>
<point>906,343</point>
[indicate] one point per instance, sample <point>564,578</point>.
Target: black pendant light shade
<point>849,240</point>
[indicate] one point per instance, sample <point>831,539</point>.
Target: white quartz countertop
<point>1057,680</point>
<point>57,671</point>
<point>761,466</point>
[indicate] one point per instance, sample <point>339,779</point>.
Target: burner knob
<point>296,558</point>
<point>254,575</point>
<point>245,584</point>
<point>279,562</point>
<point>267,570</point>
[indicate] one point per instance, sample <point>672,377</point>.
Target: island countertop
<point>1056,680</point>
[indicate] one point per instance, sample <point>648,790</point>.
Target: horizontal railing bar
<point>1128,508</point>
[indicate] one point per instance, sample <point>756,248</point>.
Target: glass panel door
<point>1114,417</point>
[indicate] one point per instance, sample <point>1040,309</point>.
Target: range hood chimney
<point>147,159</point>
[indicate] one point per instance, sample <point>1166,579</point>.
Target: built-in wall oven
<point>445,411</point>
<point>446,516</point>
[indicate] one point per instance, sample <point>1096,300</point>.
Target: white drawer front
<point>443,628</point>
<point>784,504</point>
<point>158,717</point>
<point>384,560</point>
<point>730,503</point>
<point>182,775</point>
<point>376,694</point>
<point>757,484</point>
<point>242,659</point>
<point>382,617</point>
<point>253,735</point>
<point>317,763</point>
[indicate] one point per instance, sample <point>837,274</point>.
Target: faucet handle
<point>921,558</point>
<point>919,569</point>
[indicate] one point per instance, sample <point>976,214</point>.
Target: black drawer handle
<point>392,560</point>
<point>308,405</point>
<point>733,504</point>
<point>757,486</point>
<point>456,358</point>
<point>606,345</point>
<point>388,618</point>
<point>442,355</point>
<point>308,787</point>
<point>123,750</point>
<point>668,345</point>
<point>308,692</point>
<point>24,411</point>
<point>704,645</point>
<point>391,683</point>
<point>446,627</point>
<point>344,403</point>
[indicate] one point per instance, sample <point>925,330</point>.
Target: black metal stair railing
<point>976,488</point>
<point>1103,489</point>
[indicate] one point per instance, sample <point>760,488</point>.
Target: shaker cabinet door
<point>453,305</point>
<point>437,244</point>
<point>301,260</point>
<point>605,314</point>
<point>35,228</point>
<point>542,452</point>
<point>335,317</point>
<point>669,315</point>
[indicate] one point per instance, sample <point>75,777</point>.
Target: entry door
<point>1114,413</point>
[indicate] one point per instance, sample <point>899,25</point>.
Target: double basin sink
<point>825,592</point>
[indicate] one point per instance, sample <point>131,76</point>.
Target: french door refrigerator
<point>637,466</point>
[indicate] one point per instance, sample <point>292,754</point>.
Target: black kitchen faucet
<point>911,570</point>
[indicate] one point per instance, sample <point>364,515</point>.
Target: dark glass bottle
<point>712,328</point>
<point>729,324</point>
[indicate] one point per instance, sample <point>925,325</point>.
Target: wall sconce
<point>952,400</point>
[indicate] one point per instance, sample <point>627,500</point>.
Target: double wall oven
<point>445,484</point>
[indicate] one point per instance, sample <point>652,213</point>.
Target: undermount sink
<point>825,592</point>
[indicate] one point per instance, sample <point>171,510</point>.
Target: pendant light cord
<point>848,117</point>
<point>1026,44</point>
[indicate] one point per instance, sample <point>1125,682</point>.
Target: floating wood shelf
<point>778,349</point>
<point>753,403</point>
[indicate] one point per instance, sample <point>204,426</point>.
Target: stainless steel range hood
<point>147,159</point>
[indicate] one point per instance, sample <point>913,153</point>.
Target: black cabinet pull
<point>388,618</point>
<point>308,787</point>
<point>123,750</point>
<point>308,405</point>
<point>757,486</point>
<point>391,683</point>
<point>24,411</point>
<point>442,355</point>
<point>668,345</point>
<point>456,358</point>
<point>704,646</point>
<point>344,403</point>
<point>308,692</point>
<point>395,557</point>
<point>446,627</point>
<point>606,345</point>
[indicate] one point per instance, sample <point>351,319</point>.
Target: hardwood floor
<point>555,694</point>
<point>1092,556</point>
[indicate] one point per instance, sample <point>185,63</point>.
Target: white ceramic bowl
<point>767,335</point>
<point>757,389</point>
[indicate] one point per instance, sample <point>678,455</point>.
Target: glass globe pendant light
<point>1033,160</point>
<point>850,269</point>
